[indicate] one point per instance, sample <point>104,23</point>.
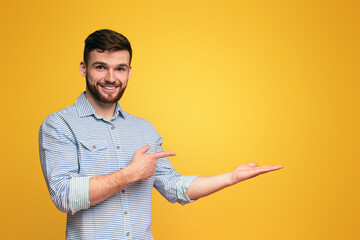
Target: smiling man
<point>101,163</point>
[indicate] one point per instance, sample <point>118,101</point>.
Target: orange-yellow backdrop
<point>224,82</point>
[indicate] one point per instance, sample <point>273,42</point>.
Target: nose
<point>110,75</point>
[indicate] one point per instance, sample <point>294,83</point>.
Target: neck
<point>105,110</point>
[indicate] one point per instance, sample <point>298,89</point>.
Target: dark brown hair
<point>106,40</point>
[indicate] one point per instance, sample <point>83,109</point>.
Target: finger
<point>273,167</point>
<point>268,168</point>
<point>144,148</point>
<point>253,164</point>
<point>162,154</point>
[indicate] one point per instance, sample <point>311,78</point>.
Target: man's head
<point>106,40</point>
<point>106,66</point>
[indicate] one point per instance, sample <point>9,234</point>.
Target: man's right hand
<point>141,167</point>
<point>143,164</point>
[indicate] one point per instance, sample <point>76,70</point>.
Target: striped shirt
<point>76,144</point>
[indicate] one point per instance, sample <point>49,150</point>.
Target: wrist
<point>128,174</point>
<point>230,178</point>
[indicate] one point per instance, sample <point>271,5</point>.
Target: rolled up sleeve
<point>79,194</point>
<point>182,186</point>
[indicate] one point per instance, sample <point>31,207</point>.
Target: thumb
<point>253,164</point>
<point>144,148</point>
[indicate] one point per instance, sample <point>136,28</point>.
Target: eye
<point>120,69</point>
<point>100,67</point>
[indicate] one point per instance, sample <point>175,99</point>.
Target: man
<point>101,163</point>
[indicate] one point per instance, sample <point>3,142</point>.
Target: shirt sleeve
<point>59,163</point>
<point>79,194</point>
<point>168,181</point>
<point>182,186</point>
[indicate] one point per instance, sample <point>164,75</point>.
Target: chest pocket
<point>94,145</point>
<point>95,157</point>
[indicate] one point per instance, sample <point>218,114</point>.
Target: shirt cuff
<point>182,186</point>
<point>79,194</point>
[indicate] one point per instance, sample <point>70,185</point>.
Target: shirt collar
<point>84,108</point>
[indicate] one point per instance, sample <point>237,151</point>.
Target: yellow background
<point>224,82</point>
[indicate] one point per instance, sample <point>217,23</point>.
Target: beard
<point>104,98</point>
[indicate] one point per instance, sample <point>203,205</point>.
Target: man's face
<point>107,74</point>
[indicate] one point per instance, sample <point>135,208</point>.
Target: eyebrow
<point>123,65</point>
<point>102,63</point>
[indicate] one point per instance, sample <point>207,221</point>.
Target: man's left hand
<point>251,170</point>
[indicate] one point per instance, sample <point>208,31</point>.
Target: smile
<point>109,87</point>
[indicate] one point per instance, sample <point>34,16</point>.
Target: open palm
<point>246,171</point>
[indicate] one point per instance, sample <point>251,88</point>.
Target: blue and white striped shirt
<point>76,144</point>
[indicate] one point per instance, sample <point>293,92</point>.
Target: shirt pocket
<point>94,145</point>
<point>95,157</point>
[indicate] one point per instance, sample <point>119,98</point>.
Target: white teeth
<point>110,88</point>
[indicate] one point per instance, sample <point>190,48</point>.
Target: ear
<point>82,68</point>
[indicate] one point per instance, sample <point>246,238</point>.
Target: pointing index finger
<point>162,154</point>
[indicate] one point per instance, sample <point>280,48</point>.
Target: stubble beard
<point>94,90</point>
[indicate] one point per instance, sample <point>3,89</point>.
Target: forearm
<point>203,186</point>
<point>104,186</point>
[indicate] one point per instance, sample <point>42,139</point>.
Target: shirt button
<point>123,191</point>
<point>127,234</point>
<point>112,127</point>
<point>117,147</point>
<point>126,212</point>
<point>94,146</point>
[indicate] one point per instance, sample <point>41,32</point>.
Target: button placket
<point>116,138</point>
